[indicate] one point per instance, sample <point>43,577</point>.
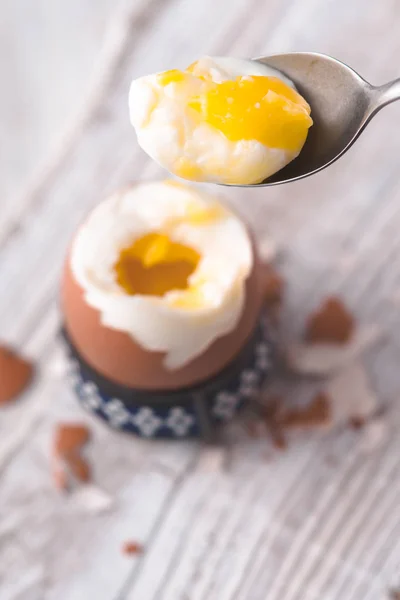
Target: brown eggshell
<point>118,357</point>
<point>15,375</point>
<point>331,322</point>
<point>69,439</point>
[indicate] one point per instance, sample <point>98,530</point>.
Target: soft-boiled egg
<point>221,120</point>
<point>162,286</point>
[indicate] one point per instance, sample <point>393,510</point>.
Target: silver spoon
<point>342,104</point>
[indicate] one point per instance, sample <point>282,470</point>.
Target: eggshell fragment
<point>92,499</point>
<point>15,375</point>
<point>351,395</point>
<point>130,548</point>
<point>320,359</point>
<point>316,414</point>
<point>69,439</point>
<point>271,412</point>
<point>68,442</point>
<point>60,477</point>
<point>332,322</point>
<point>79,468</point>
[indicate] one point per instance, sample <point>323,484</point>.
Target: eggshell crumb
<point>130,548</point>
<point>79,468</point>
<point>351,395</point>
<point>320,359</point>
<point>92,499</point>
<point>316,414</point>
<point>68,442</point>
<point>331,322</point>
<point>272,419</point>
<point>16,374</point>
<point>60,478</point>
<point>70,438</point>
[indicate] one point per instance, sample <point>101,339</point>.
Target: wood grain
<point>319,521</point>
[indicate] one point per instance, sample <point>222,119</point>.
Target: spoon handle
<point>388,93</point>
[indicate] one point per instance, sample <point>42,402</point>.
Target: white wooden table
<point>318,522</point>
<point>49,51</point>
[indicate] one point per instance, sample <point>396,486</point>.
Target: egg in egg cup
<point>162,301</point>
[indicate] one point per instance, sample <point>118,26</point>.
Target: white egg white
<point>167,129</point>
<point>223,68</point>
<point>160,324</point>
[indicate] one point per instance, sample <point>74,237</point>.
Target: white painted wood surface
<point>49,55</point>
<point>318,522</point>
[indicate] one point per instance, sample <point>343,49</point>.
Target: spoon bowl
<point>342,103</point>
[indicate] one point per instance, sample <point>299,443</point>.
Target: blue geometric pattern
<point>176,415</point>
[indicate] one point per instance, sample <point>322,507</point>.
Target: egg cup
<point>163,302</point>
<point>186,412</point>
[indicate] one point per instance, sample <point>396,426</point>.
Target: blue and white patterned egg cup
<point>194,411</point>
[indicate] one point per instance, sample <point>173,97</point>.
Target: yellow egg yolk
<point>171,76</point>
<point>154,265</point>
<point>256,108</point>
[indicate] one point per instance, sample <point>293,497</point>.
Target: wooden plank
<point>54,536</point>
<point>328,566</point>
<point>205,536</point>
<point>34,111</point>
<point>41,118</point>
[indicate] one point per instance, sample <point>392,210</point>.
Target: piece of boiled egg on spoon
<point>222,120</point>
